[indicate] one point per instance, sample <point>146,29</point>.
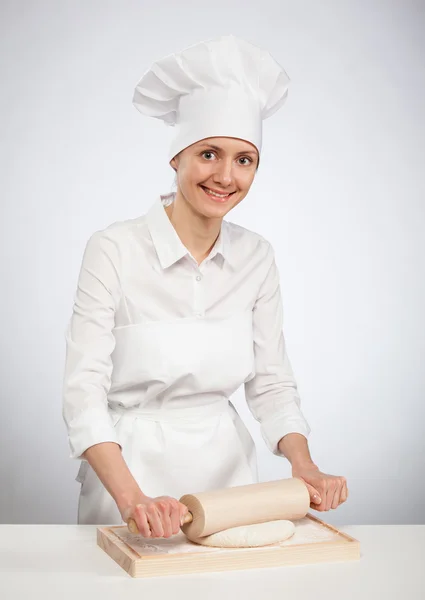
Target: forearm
<point>294,447</point>
<point>107,461</point>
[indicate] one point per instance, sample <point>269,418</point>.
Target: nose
<point>224,173</point>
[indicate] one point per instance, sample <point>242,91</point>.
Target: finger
<point>314,494</point>
<point>316,506</point>
<point>164,509</point>
<point>316,502</point>
<point>316,499</point>
<point>183,512</point>
<point>330,493</point>
<point>154,520</point>
<point>175,518</point>
<point>337,495</point>
<point>322,488</point>
<point>321,506</point>
<point>142,522</point>
<point>344,492</point>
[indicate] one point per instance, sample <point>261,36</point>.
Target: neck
<point>197,232</point>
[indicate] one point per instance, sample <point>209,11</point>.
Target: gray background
<point>339,193</point>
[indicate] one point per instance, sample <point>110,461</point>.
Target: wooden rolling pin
<point>215,510</point>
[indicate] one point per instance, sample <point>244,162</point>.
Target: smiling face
<point>224,165</point>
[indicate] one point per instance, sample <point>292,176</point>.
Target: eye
<point>213,153</point>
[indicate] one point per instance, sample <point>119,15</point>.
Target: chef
<point>177,308</point>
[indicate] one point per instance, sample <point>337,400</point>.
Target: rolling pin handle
<point>132,527</point>
<point>188,518</point>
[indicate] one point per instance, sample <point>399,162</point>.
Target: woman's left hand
<point>326,491</point>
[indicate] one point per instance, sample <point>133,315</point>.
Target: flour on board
<point>306,532</point>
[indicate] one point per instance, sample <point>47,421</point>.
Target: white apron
<point>180,446</point>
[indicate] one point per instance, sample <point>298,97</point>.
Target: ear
<point>173,164</point>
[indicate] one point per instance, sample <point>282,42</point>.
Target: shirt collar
<point>168,245</point>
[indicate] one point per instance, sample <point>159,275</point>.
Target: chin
<point>212,212</point>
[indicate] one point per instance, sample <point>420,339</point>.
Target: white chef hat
<point>223,87</point>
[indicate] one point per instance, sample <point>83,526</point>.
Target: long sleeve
<point>89,345</point>
<point>272,394</point>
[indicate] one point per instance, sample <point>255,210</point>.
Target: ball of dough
<point>247,536</point>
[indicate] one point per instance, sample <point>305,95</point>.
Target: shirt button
<point>198,278</point>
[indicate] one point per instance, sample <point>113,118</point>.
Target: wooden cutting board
<point>314,541</point>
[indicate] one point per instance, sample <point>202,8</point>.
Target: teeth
<point>214,194</point>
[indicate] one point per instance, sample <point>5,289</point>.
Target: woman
<point>177,308</point>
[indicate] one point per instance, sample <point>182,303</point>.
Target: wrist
<point>304,464</point>
<point>129,499</point>
<point>294,447</point>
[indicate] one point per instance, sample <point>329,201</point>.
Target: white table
<point>63,562</point>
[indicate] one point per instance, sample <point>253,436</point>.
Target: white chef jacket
<point>155,347</point>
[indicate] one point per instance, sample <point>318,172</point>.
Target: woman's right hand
<point>156,517</point>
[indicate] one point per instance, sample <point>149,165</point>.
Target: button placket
<point>198,295</point>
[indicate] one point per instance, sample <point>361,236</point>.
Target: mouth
<point>215,197</point>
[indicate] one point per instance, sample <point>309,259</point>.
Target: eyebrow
<point>221,149</point>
